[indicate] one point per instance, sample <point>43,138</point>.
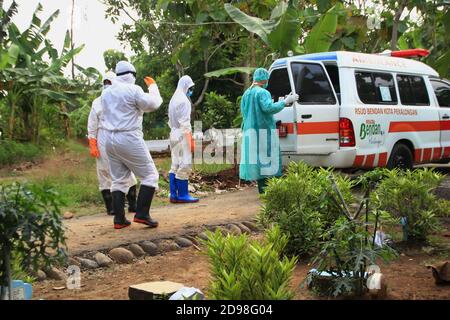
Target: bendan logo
<point>369,129</point>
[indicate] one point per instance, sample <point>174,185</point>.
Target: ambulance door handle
<point>445,117</point>
<point>306,116</point>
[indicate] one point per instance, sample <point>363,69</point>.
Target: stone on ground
<point>183,242</point>
<point>234,229</point>
<point>56,274</point>
<point>150,248</point>
<point>88,263</point>
<point>136,250</point>
<point>252,226</point>
<point>202,236</point>
<point>73,262</point>
<point>153,290</point>
<point>68,215</point>
<point>40,275</point>
<point>167,246</point>
<point>103,260</point>
<point>121,255</point>
<point>244,228</point>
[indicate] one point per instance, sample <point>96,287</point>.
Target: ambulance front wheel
<point>401,158</point>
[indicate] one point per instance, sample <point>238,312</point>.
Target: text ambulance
<point>362,110</point>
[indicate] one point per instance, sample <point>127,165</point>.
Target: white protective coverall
<point>124,106</point>
<point>180,125</point>
<point>95,132</point>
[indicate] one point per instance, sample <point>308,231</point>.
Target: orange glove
<point>93,148</point>
<point>191,142</point>
<point>149,81</point>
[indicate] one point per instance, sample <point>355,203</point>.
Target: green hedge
<point>13,152</point>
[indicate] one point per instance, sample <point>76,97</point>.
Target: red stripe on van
<point>318,127</point>
<point>437,153</point>
<point>445,125</point>
<point>369,161</point>
<point>418,156</point>
<point>359,160</point>
<point>446,152</point>
<point>427,154</point>
<point>411,126</point>
<point>382,160</point>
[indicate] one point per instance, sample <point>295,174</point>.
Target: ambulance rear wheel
<point>401,158</point>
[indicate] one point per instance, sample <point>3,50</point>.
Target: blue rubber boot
<point>173,188</point>
<point>183,192</point>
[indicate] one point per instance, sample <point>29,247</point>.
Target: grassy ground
<point>72,172</point>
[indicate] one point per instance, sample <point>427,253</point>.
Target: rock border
<point>100,259</point>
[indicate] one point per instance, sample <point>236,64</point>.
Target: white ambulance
<point>362,110</point>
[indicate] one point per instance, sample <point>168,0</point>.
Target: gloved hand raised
<point>291,98</point>
<point>149,81</point>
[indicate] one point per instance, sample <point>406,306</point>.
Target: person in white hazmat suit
<point>181,142</point>
<point>124,106</point>
<point>97,150</point>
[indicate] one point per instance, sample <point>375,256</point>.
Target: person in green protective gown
<point>260,149</point>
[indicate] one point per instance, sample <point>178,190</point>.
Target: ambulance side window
<point>413,91</point>
<point>376,88</point>
<point>311,84</point>
<point>442,91</point>
<point>279,85</point>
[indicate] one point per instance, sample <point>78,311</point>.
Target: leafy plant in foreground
<point>249,270</point>
<point>30,227</point>
<point>300,204</point>
<point>410,195</point>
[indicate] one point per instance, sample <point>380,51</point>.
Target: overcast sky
<point>91,27</point>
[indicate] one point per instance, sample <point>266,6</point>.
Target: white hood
<point>180,106</point>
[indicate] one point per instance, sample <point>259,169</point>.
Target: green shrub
<point>247,270</point>
<point>157,133</point>
<point>79,120</point>
<point>31,229</point>
<point>12,152</point>
<point>443,208</point>
<point>300,203</point>
<point>410,194</point>
<point>218,112</point>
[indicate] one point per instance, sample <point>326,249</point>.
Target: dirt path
<point>96,232</point>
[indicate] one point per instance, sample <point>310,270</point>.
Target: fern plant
<point>300,204</point>
<point>410,195</point>
<point>248,270</point>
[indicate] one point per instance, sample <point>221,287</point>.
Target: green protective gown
<point>260,149</point>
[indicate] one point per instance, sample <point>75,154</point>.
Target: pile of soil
<point>224,180</point>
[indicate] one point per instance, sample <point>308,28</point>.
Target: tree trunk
<point>72,45</point>
<point>12,121</point>
<point>1,33</point>
<point>6,268</point>
<point>395,24</point>
<point>252,50</point>
<point>205,88</point>
<point>66,120</point>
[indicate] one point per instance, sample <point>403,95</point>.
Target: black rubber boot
<point>120,221</point>
<point>144,203</point>
<point>131,198</point>
<point>107,198</point>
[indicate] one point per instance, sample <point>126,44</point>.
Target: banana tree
<point>32,82</point>
<point>282,31</point>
